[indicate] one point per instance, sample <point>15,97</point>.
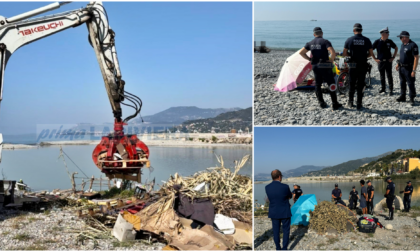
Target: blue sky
<point>269,11</point>
<point>287,148</point>
<point>171,54</point>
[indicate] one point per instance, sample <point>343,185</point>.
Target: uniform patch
<point>415,48</point>
<point>359,42</point>
<point>315,47</point>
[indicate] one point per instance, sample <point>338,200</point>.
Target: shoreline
<point>150,143</point>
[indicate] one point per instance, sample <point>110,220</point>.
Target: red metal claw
<point>120,154</point>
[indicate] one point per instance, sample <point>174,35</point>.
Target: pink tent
<point>294,71</point>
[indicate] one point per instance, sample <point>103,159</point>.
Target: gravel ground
<point>301,107</point>
<point>405,235</point>
<point>54,231</point>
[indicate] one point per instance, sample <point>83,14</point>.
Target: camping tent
<point>300,210</point>
<point>294,71</point>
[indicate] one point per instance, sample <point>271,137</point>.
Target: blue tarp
<point>300,210</point>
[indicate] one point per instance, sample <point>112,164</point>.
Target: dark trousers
<point>323,73</point>
<point>353,203</point>
<point>340,202</point>
<point>386,67</point>
<point>406,79</point>
<point>407,203</point>
<point>357,74</point>
<point>276,232</point>
<point>369,206</point>
<point>389,202</point>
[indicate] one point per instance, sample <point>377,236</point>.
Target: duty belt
<point>406,65</point>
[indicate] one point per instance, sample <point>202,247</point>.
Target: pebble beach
<point>301,107</point>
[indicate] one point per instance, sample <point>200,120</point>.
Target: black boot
<point>391,93</point>
<point>401,98</point>
<point>359,106</point>
<point>392,215</point>
<point>412,103</point>
<point>382,90</point>
<point>334,100</point>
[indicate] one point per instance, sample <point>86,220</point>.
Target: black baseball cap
<point>354,187</point>
<point>336,185</point>
<point>388,178</point>
<point>357,26</point>
<point>408,182</point>
<point>317,29</point>
<point>404,34</point>
<point>368,181</point>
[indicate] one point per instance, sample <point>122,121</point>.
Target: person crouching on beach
<point>297,192</point>
<point>321,65</point>
<point>279,212</point>
<point>336,194</point>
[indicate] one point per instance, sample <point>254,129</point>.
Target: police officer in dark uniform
<point>297,192</point>
<point>384,59</point>
<point>336,194</point>
<point>390,196</point>
<point>321,65</point>
<point>360,49</point>
<point>370,193</point>
<point>408,191</point>
<point>354,195</point>
<point>406,67</point>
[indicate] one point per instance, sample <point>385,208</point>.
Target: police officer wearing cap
<point>360,49</point>
<point>370,194</point>
<point>384,59</point>
<point>354,195</point>
<point>321,65</point>
<point>407,65</point>
<point>336,194</point>
<point>408,191</point>
<point>390,196</point>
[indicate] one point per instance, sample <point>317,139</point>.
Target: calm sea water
<point>323,190</point>
<point>42,170</point>
<point>295,34</point>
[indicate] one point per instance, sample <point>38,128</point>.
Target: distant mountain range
<point>289,173</point>
<point>344,168</point>
<point>239,120</point>
<point>178,115</point>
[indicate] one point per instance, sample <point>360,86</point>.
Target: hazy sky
<point>269,11</point>
<point>171,54</point>
<point>287,148</point>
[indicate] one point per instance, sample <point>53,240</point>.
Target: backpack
<point>366,225</point>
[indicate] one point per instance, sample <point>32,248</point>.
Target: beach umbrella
<point>300,210</point>
<point>294,71</point>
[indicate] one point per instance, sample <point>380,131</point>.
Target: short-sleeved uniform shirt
<point>370,189</point>
<point>359,46</point>
<point>408,188</point>
<point>391,188</point>
<point>362,191</point>
<point>407,52</point>
<point>336,192</point>
<point>297,193</point>
<point>383,48</point>
<point>318,47</point>
<point>353,195</point>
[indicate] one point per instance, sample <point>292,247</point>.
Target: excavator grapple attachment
<point>121,156</point>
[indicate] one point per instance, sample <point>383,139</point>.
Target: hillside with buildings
<point>398,162</point>
<point>239,121</point>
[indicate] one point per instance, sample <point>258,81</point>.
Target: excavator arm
<point>118,155</point>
